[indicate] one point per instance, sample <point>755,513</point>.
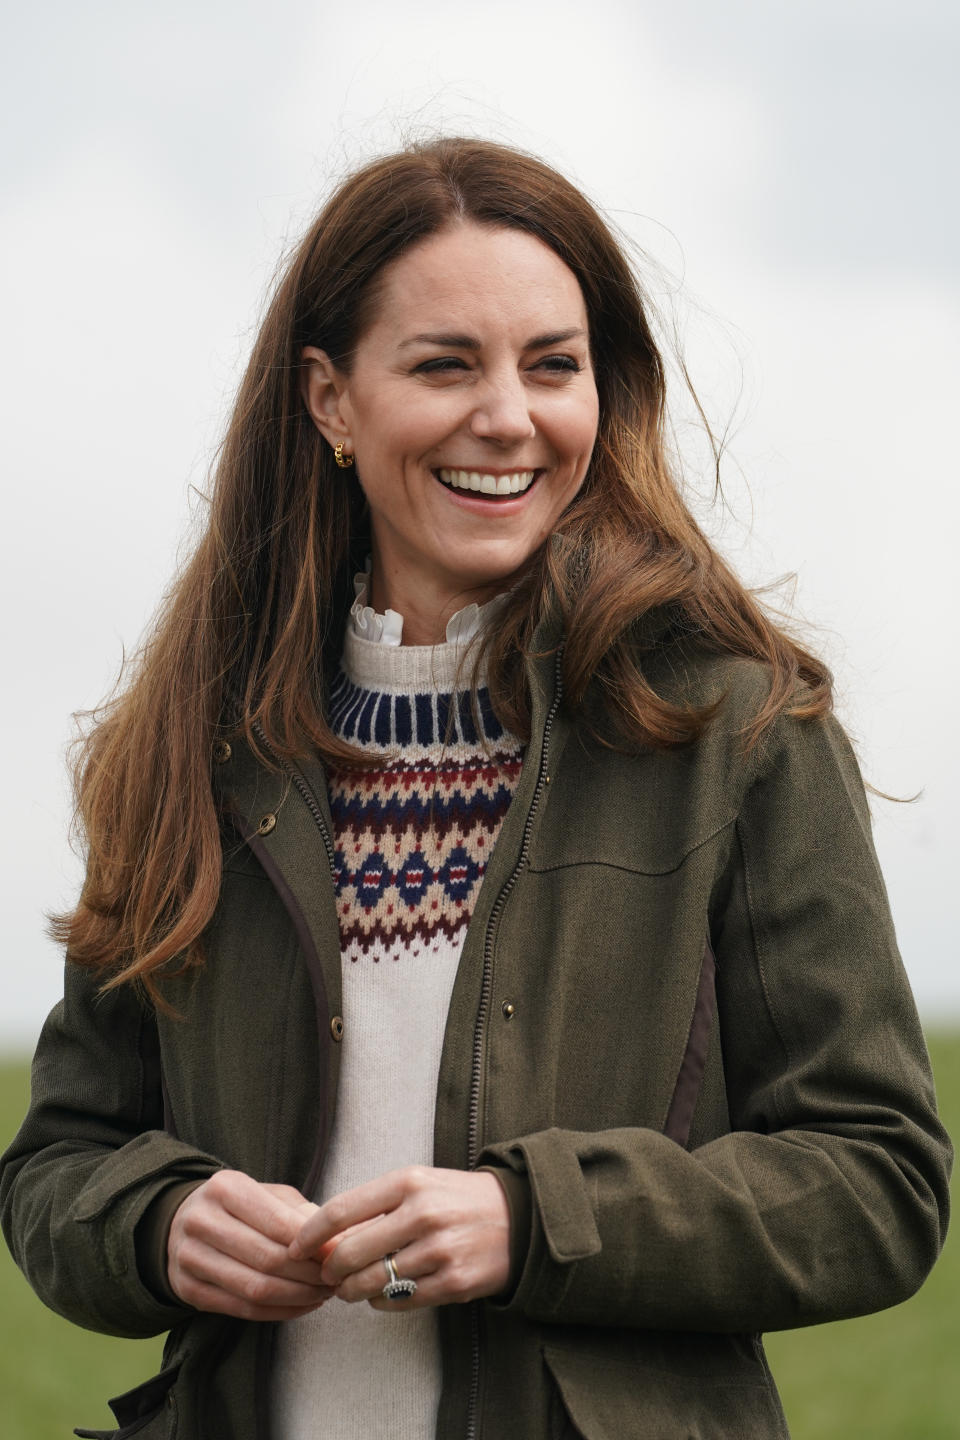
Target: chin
<point>493,579</point>
<point>496,568</point>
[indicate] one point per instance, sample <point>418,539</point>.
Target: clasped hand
<point>264,1252</point>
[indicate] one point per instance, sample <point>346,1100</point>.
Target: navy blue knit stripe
<point>364,722</point>
<point>465,721</point>
<point>443,719</point>
<point>423,719</point>
<point>380,717</point>
<point>419,811</point>
<point>403,720</point>
<point>491,725</point>
<point>383,721</point>
<point>346,700</point>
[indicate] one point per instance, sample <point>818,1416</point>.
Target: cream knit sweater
<point>411,838</point>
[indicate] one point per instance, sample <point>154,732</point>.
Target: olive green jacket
<point>699,1141</point>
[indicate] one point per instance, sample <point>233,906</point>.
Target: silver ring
<point>396,1288</point>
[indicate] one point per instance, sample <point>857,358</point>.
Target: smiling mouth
<point>482,483</point>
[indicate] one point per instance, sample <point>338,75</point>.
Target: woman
<point>482,1015</point>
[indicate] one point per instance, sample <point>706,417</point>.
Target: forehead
<point>479,275</point>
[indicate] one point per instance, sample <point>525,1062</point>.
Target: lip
<point>483,478</point>
<point>487,505</point>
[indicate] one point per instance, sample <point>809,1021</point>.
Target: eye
<point>441,365</point>
<point>559,364</point>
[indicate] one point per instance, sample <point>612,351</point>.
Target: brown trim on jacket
<point>690,1077</point>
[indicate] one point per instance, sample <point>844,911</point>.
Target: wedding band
<point>396,1288</point>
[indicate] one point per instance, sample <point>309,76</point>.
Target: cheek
<point>404,438</point>
<point>592,417</point>
<point>577,427</point>
<point>578,440</point>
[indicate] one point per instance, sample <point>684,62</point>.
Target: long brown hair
<point>251,628</point>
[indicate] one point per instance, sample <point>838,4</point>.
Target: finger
<point>353,1207</point>
<point>328,1246</point>
<point>212,1298</point>
<point>371,1250</point>
<point>446,1274</point>
<point>369,1283</point>
<point>289,1195</point>
<point>421,1260</point>
<point>446,1285</point>
<point>199,1266</point>
<point>248,1200</point>
<point>364,1246</point>
<point>437,1284</point>
<point>218,1230</point>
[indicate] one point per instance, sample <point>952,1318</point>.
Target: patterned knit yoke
<point>413,834</point>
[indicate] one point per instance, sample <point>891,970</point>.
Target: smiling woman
<point>482,1013</point>
<point>472,425</point>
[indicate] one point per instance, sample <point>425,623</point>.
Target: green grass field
<point>894,1376</point>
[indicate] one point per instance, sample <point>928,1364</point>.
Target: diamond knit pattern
<point>413,836</point>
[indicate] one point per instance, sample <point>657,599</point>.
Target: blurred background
<point>786,175</point>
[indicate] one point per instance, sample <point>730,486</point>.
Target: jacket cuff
<point>150,1239</point>
<point>562,1229</point>
<point>516,1188</point>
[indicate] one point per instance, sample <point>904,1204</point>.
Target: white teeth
<point>488,484</point>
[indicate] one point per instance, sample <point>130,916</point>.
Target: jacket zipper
<point>486,987</point>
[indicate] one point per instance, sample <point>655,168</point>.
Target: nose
<point>502,412</point>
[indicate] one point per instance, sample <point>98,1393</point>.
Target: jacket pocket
<point>696,1387</point>
<point>148,1411</point>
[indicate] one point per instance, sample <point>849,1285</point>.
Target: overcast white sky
<point>790,170</point>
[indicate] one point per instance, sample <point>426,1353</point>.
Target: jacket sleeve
<point>829,1198</point>
<point>91,1159</point>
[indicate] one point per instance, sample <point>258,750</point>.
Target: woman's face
<point>471,410</point>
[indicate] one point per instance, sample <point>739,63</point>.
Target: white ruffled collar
<point>387,629</point>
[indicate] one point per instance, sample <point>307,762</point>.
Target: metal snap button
<point>267,824</point>
<point>336,1027</point>
<point>222,751</point>
<point>508,1009</point>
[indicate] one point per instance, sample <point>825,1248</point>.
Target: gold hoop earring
<point>344,461</point>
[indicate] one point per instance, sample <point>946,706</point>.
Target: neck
<point>425,607</point>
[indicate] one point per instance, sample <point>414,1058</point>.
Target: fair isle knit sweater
<point>411,837</point>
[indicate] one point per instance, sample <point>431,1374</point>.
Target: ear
<point>323,387</point>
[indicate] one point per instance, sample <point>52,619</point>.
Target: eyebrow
<point>469,342</point>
